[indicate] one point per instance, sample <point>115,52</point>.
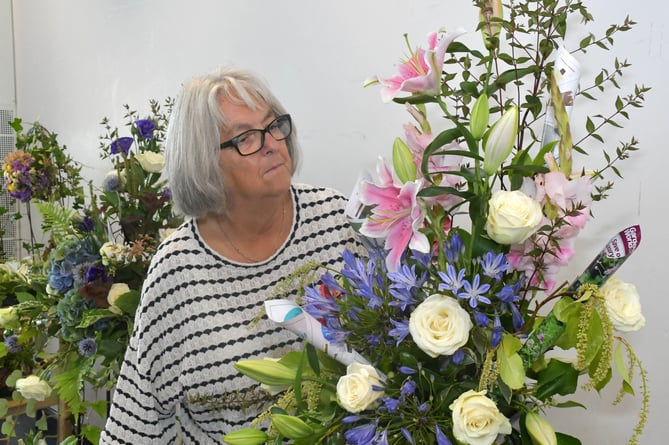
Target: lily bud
<point>491,28</point>
<point>403,161</point>
<point>541,432</point>
<point>291,427</point>
<point>499,141</point>
<point>480,116</point>
<point>247,436</point>
<point>267,372</point>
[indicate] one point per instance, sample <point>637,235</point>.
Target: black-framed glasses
<point>252,141</point>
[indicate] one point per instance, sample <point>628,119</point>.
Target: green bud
<point>491,28</point>
<point>498,143</point>
<point>403,163</point>
<point>541,432</point>
<point>247,436</point>
<point>480,116</point>
<point>267,372</point>
<point>291,427</point>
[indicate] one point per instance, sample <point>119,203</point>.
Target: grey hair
<point>193,137</point>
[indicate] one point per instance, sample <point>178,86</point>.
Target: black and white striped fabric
<point>197,317</point>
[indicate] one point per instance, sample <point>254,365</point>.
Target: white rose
<point>439,325</point>
<point>512,217</point>
<point>111,252</point>
<point>476,419</point>
<point>623,305</point>
<point>151,162</point>
<point>164,233</point>
<point>116,290</point>
<point>359,388</point>
<point>8,317</point>
<point>32,387</point>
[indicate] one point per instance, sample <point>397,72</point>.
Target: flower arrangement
<point>456,328</point>
<point>89,274</point>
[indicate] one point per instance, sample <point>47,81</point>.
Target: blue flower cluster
<point>69,263</point>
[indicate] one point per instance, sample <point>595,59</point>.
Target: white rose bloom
<point>32,387</point>
<point>8,316</point>
<point>151,162</point>
<point>164,233</point>
<point>477,420</point>
<point>356,390</point>
<point>111,251</point>
<point>116,290</point>
<point>623,305</point>
<point>512,217</point>
<point>439,325</point>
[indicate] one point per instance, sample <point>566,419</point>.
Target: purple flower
<point>497,331</point>
<point>361,435</point>
<point>451,280</point>
<point>400,331</point>
<point>87,347</point>
<point>166,193</point>
<point>12,344</point>
<point>408,388</point>
<point>442,439</point>
<point>458,357</point>
<point>121,145</point>
<point>145,128</point>
<point>86,224</point>
<point>494,265</point>
<point>391,405</point>
<point>474,292</point>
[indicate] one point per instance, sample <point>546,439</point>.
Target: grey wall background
<point>76,61</point>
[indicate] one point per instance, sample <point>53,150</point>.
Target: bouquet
<point>456,328</point>
<point>93,267</point>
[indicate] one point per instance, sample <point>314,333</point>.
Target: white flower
<point>111,252</point>
<point>164,233</point>
<point>439,325</point>
<point>8,317</point>
<point>512,217</point>
<point>476,419</point>
<point>623,305</point>
<point>359,388</point>
<point>116,290</point>
<point>32,387</point>
<point>151,162</point>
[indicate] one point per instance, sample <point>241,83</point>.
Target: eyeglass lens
<point>252,141</point>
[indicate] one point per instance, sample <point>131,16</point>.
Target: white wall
<point>80,60</point>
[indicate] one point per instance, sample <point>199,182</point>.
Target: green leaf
<point>511,367</point>
<point>557,378</point>
<point>4,406</point>
<point>128,302</point>
<point>564,439</point>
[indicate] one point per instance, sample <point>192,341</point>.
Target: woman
<point>230,153</point>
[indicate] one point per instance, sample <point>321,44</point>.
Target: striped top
<point>196,319</point>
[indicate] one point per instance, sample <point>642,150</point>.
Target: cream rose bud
<point>439,325</point>
<point>476,419</point>
<point>151,162</point>
<point>623,305</point>
<point>8,317</point>
<point>512,217</point>
<point>116,290</point>
<point>32,387</point>
<point>359,388</point>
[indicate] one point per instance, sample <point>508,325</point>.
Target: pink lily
<point>421,73</point>
<point>396,216</point>
<point>417,142</point>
